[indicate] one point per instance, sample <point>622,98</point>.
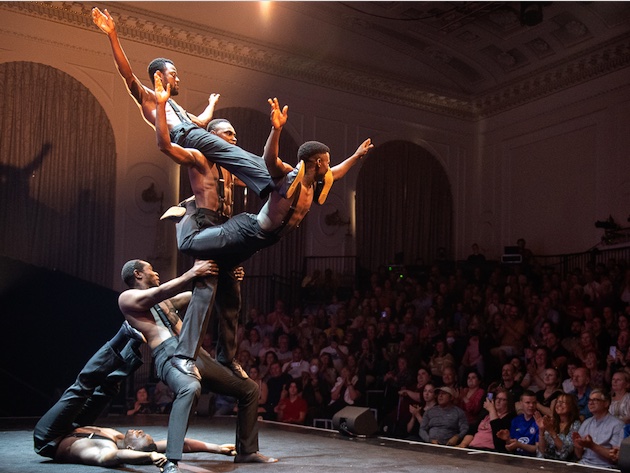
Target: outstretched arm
<point>204,117</point>
<point>275,166</point>
<point>108,457</point>
<point>182,156</point>
<point>140,300</point>
<point>342,168</point>
<point>195,446</point>
<point>105,22</point>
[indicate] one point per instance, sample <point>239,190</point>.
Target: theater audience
<point>521,327</point>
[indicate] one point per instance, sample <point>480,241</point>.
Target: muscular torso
<point>204,176</point>
<point>204,180</point>
<point>67,450</point>
<point>155,333</point>
<point>275,210</point>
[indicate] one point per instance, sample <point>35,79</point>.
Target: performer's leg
<point>186,389</point>
<point>110,388</point>
<point>195,238</point>
<point>228,305</point>
<point>223,381</point>
<point>60,418</point>
<point>195,325</point>
<point>248,167</point>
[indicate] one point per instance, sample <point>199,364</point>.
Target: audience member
<point>471,397</point>
<point>252,344</point>
<point>297,365</point>
<point>499,412</point>
<point>599,433</point>
<point>292,408</point>
<point>143,403</point>
<point>444,424</point>
<point>345,392</point>
<point>523,434</point>
<point>536,369</point>
<point>546,397</point>
<point>275,384</point>
<point>620,403</point>
<point>315,391</point>
<point>582,390</point>
<point>556,431</point>
<point>263,391</point>
<point>427,401</point>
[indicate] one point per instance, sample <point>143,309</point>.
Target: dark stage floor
<point>300,449</point>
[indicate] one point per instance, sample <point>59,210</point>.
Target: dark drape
<point>57,173</point>
<point>404,206</point>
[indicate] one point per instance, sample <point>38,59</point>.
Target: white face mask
<point>314,369</point>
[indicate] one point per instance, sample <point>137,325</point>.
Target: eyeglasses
<point>595,399</point>
<point>561,402</point>
<point>501,399</point>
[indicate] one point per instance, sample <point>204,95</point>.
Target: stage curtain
<point>57,173</point>
<point>404,206</point>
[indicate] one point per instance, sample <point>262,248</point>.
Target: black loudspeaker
<point>624,456</point>
<point>355,421</point>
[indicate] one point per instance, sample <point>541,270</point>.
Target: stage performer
<point>145,308</point>
<point>96,385</point>
<point>185,129</point>
<point>234,241</point>
<point>102,446</point>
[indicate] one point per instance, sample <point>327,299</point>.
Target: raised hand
<point>278,117</point>
<point>103,20</point>
<point>162,95</point>
<point>213,99</point>
<point>364,148</point>
<point>239,273</point>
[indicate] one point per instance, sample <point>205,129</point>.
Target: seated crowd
<point>515,359</point>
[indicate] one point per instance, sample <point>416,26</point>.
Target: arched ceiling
<point>467,59</point>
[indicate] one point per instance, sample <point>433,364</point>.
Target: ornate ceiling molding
<point>197,40</point>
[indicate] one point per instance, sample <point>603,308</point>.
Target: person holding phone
<point>499,409</point>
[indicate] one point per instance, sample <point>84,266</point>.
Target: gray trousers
<point>222,381</point>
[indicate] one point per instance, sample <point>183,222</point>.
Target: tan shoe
<point>174,213</point>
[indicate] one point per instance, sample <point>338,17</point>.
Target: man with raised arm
<point>232,242</point>
<point>185,129</point>
<point>149,308</point>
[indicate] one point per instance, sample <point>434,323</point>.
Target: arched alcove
<point>404,206</point>
<point>58,173</point>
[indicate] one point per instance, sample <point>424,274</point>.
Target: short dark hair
<point>158,64</point>
<point>310,149</point>
<point>128,269</point>
<point>214,123</point>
